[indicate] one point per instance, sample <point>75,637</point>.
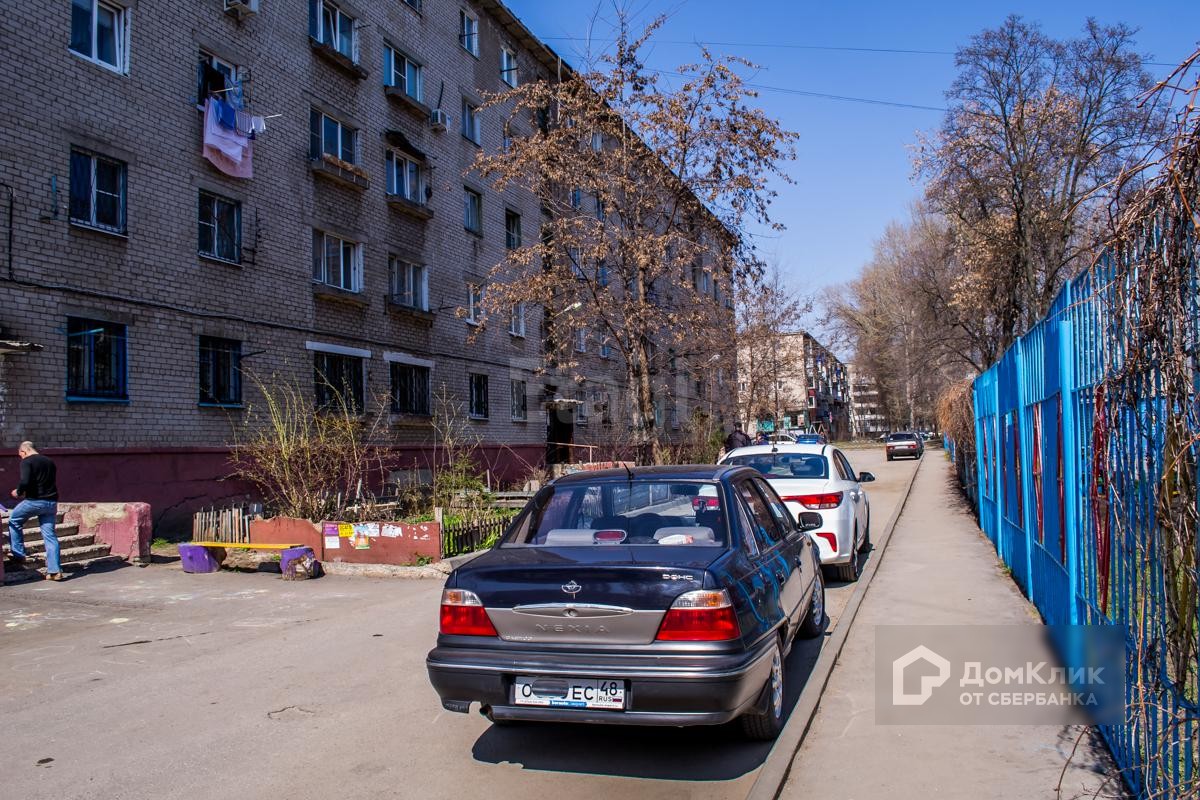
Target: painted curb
<point>774,772</point>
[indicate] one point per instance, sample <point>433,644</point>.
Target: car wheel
<point>849,572</point>
<point>889,458</point>
<point>765,726</point>
<point>814,621</point>
<point>865,547</point>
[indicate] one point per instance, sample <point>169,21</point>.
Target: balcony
<point>398,305</point>
<point>411,208</point>
<point>337,59</point>
<point>340,171</point>
<point>408,102</point>
<point>336,294</point>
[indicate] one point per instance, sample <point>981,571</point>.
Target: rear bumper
<point>674,690</point>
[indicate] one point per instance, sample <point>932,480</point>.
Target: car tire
<point>815,620</point>
<point>865,547</point>
<point>889,458</point>
<point>765,726</point>
<point>848,573</point>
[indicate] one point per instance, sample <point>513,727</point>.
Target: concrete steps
<point>77,551</point>
<point>65,541</point>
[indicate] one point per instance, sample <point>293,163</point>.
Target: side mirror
<point>808,521</point>
<point>865,477</point>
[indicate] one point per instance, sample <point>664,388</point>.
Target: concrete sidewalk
<point>938,569</point>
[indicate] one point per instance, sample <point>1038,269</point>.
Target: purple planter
<point>291,554</point>
<point>200,559</point>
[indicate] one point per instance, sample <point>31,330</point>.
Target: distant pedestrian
<point>38,493</point>
<point>736,439</point>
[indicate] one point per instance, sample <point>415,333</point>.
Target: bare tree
<point>649,182</point>
<point>1037,133</point>
<point>769,368</point>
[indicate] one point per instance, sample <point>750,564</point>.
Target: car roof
<point>760,449</point>
<point>687,472</point>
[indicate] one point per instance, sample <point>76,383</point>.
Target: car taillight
<point>700,616</point>
<point>463,614</point>
<point>830,537</point>
<point>824,500</point>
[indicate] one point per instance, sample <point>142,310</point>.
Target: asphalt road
<point>139,683</point>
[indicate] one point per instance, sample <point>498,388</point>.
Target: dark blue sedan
<point>652,596</point>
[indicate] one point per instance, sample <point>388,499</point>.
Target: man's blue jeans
<point>46,511</point>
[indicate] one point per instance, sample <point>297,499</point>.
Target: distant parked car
<point>817,477</point>
<point>652,596</point>
<point>904,444</point>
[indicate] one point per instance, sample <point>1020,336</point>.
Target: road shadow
<point>702,753</point>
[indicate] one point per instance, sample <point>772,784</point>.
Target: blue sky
<point>853,173</point>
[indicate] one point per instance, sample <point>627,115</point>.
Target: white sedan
<point>817,477</point>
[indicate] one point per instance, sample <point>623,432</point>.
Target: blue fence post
<point>1024,463</point>
<point>1069,447</point>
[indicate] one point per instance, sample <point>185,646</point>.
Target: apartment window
<point>405,178</point>
<point>577,198</point>
<point>471,127</point>
<point>96,360</point>
<point>468,32</point>
<point>581,340</point>
<point>506,141</point>
<point>508,66</point>
<point>408,284</point>
<point>414,4</point>
<point>597,141</point>
<point>331,26</point>
<point>576,263</point>
<point>474,303</point>
<point>337,262</point>
<point>512,230</point>
<point>410,389</point>
<point>605,347</point>
<point>338,381</point>
<point>478,407</point>
<point>220,228</point>
<point>674,418</point>
<point>472,210</point>
<point>516,322</point>
<point>207,64</point>
<point>97,191</point>
<point>220,371</point>
<point>331,137</point>
<point>602,274</point>
<point>518,395</point>
<point>402,72</point>
<point>98,32</point>
<point>581,407</point>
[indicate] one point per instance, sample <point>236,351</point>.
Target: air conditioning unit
<point>241,8</point>
<point>439,120</point>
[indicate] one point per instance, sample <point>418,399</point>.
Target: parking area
<point>154,683</point>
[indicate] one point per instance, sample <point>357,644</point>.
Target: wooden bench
<point>214,553</point>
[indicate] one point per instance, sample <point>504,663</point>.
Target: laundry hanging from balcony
<point>226,146</point>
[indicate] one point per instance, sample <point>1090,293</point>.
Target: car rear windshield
<point>657,513</point>
<point>785,465</point>
<point>902,437</point>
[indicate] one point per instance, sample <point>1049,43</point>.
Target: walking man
<point>38,492</point>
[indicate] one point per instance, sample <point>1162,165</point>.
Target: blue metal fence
<point>1067,483</point>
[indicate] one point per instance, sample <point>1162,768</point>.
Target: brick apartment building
<point>867,420</point>
<point>801,385</point>
<point>143,286</point>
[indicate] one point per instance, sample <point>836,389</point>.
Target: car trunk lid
<point>595,595</point>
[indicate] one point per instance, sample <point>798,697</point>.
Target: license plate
<point>603,693</point>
